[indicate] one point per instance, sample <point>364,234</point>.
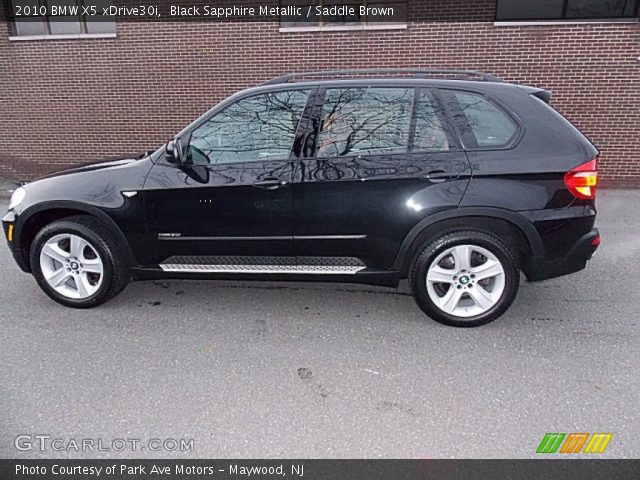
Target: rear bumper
<point>574,261</point>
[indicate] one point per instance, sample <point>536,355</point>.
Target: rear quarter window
<point>482,124</point>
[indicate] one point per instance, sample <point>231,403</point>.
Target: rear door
<point>377,160</point>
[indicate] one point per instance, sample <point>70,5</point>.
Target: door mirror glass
<point>173,151</point>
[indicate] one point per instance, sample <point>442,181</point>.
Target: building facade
<point>83,92</point>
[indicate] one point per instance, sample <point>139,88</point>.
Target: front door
<point>232,194</point>
<point>383,158</point>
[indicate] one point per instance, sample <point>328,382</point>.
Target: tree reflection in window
<point>481,123</point>
<point>261,127</point>
<point>601,8</point>
<point>431,134</point>
<point>520,10</point>
<point>365,121</point>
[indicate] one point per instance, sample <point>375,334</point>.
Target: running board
<point>264,265</point>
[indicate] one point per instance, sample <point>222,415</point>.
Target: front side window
<point>261,127</point>
<point>482,124</point>
<point>365,121</point>
<point>60,17</point>
<point>566,9</point>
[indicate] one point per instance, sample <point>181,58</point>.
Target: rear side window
<point>482,124</point>
<point>431,134</point>
<point>365,121</point>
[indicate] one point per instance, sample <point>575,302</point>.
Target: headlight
<point>17,197</point>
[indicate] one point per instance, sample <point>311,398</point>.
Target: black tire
<point>428,254</point>
<point>115,271</point>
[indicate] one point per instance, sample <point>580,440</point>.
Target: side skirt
<point>291,269</point>
<point>383,278</point>
<point>265,265</point>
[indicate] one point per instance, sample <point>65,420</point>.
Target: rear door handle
<point>270,183</point>
<point>440,175</point>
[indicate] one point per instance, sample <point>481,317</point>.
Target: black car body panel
<point>372,207</point>
<point>218,211</point>
<point>96,190</point>
<point>339,203</point>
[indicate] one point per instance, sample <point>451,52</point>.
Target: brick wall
<point>69,101</point>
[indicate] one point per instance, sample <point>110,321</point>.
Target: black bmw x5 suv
<point>453,179</point>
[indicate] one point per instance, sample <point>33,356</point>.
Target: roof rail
<point>417,72</point>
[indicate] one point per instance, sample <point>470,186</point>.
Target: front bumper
<point>574,261</point>
<point>11,234</point>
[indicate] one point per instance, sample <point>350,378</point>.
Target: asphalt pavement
<point>262,370</point>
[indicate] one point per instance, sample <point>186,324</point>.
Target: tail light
<point>583,180</point>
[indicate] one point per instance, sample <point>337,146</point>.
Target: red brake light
<point>583,180</point>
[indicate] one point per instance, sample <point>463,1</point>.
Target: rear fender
<point>526,228</point>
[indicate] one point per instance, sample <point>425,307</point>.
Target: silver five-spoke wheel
<point>71,266</point>
<point>465,281</point>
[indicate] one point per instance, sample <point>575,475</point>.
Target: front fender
<point>61,209</point>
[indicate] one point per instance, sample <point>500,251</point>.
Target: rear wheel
<point>465,279</point>
<point>77,263</point>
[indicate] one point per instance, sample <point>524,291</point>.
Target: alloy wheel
<point>71,266</point>
<point>465,281</point>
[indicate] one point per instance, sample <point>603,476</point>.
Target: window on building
<point>42,17</point>
<point>261,127</point>
<point>481,123</point>
<point>343,13</point>
<point>365,121</point>
<point>513,10</point>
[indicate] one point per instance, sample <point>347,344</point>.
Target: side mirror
<point>174,152</point>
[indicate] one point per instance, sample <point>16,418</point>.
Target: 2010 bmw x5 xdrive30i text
<point>458,184</point>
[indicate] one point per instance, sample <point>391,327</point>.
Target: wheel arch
<point>511,227</point>
<point>35,218</point>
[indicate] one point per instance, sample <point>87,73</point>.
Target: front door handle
<point>270,183</point>
<point>440,175</point>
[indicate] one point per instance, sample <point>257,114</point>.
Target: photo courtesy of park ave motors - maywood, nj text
<point>338,237</point>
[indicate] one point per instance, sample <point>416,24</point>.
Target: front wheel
<point>77,263</point>
<point>465,279</point>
